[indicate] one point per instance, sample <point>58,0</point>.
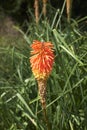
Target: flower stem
<point>46,119</point>
<point>36,6</point>
<point>42,93</point>
<point>68,9</point>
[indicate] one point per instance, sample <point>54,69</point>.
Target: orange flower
<point>41,59</point>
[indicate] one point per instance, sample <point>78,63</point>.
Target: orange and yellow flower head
<point>42,58</point>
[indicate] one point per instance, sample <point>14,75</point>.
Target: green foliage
<point>66,86</point>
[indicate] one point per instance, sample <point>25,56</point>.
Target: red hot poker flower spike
<point>42,59</point>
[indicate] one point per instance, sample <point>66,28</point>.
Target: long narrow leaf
<point>25,104</point>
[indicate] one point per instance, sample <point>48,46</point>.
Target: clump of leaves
<point>66,87</point>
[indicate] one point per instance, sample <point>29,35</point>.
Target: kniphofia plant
<point>42,58</point>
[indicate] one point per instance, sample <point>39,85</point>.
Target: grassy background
<point>20,108</point>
